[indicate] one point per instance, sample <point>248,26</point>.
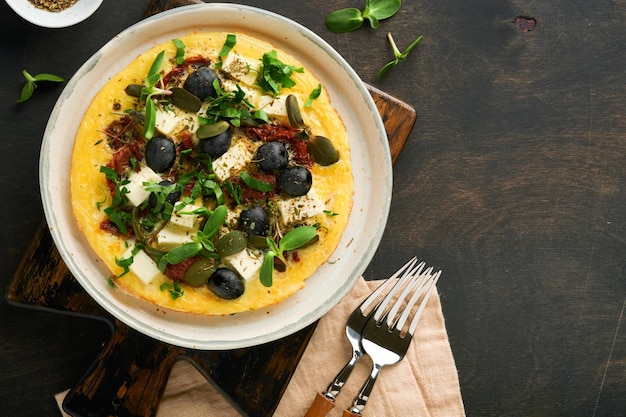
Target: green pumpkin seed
<point>258,242</point>
<point>199,272</point>
<point>134,90</point>
<point>322,150</point>
<point>231,243</point>
<point>279,265</point>
<point>293,112</point>
<point>184,100</point>
<point>210,130</point>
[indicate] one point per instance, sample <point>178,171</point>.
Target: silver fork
<point>324,402</point>
<point>386,337</point>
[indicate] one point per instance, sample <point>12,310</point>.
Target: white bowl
<point>74,14</point>
<point>371,163</point>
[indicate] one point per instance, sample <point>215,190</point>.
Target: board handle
<point>127,379</point>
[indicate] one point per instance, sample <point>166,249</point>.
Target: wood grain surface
<point>512,182</point>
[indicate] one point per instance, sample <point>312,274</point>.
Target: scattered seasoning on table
<point>53,5</point>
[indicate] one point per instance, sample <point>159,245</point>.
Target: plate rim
<point>126,315</point>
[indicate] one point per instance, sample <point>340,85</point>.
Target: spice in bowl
<point>53,5</point>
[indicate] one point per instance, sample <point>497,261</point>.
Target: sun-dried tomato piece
<point>177,272</point>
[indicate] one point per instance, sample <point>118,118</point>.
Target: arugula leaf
<point>276,75</point>
<point>180,51</point>
<point>229,44</point>
<point>254,183</point>
<point>314,95</point>
<point>234,190</point>
<point>174,289</point>
<point>115,211</point>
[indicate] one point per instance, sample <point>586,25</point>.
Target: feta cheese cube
<point>172,236</point>
<point>137,193</point>
<point>234,160</point>
<point>183,215</point>
<point>300,208</point>
<point>143,266</point>
<point>172,120</point>
<point>165,121</point>
<point>246,263</point>
<point>241,68</point>
<point>276,109</point>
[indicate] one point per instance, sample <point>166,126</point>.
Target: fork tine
<point>407,276</point>
<point>426,285</point>
<point>431,286</point>
<point>389,281</point>
<point>417,280</point>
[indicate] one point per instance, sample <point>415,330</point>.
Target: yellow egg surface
<point>92,194</point>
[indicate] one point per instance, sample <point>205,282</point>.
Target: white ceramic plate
<point>371,163</point>
<point>78,12</point>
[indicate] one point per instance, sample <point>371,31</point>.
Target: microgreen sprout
<point>149,90</point>
<point>201,242</point>
<point>347,20</point>
<point>398,56</point>
<point>31,83</point>
<point>290,241</point>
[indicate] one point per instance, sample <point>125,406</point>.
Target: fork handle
<point>320,407</point>
<point>364,394</point>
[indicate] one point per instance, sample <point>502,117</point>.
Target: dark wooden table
<point>511,182</point>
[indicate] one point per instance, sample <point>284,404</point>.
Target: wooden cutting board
<point>130,374</point>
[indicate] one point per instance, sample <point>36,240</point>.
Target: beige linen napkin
<point>425,383</point>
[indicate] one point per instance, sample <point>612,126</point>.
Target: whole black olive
<point>226,283</point>
<point>171,198</point>
<point>216,146</point>
<point>295,181</point>
<point>254,221</point>
<point>272,156</point>
<point>160,153</point>
<point>200,83</point>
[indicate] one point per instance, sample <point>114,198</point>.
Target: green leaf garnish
<point>292,240</point>
<point>31,83</point>
<point>229,44</point>
<point>383,9</point>
<point>254,183</point>
<point>231,106</point>
<point>148,91</point>
<point>314,95</point>
<point>180,253</point>
<point>234,190</point>
<point>398,56</point>
<point>349,19</point>
<point>267,269</point>
<point>180,51</point>
<point>115,211</point>
<point>296,238</point>
<point>174,289</point>
<point>276,75</point>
